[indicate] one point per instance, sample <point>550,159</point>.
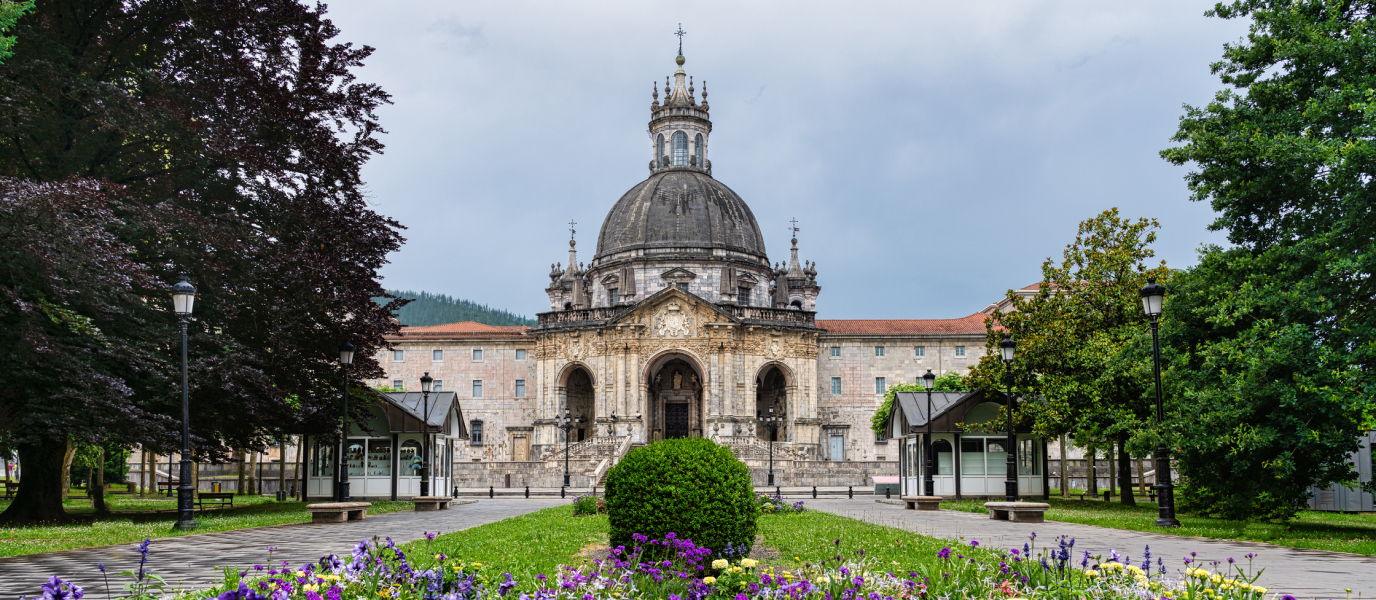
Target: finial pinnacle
<point>572,231</point>
<point>680,33</point>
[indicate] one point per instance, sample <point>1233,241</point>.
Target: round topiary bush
<point>690,487</point>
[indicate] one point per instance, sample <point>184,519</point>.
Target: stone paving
<point>193,561</point>
<point>1303,573</point>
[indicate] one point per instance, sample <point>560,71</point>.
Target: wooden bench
<point>11,488</point>
<point>338,512</point>
<point>166,485</point>
<point>427,503</point>
<point>1018,512</point>
<point>922,502</point>
<point>221,499</point>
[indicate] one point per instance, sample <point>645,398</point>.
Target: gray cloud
<point>934,153</point>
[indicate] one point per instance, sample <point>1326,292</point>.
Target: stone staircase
<point>749,447</point>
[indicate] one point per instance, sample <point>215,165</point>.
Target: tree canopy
<point>950,381</point>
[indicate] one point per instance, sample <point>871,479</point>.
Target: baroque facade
<point>679,326</point>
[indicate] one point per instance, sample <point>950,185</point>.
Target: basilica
<point>680,325</point>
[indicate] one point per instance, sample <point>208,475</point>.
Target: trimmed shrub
<point>693,488</point>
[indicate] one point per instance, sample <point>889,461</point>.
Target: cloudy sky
<point>934,153</point>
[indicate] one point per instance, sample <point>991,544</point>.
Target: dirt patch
<point>763,553</point>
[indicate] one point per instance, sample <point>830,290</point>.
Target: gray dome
<point>680,211</point>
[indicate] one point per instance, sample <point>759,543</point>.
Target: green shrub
<point>690,487</point>
<point>588,505</point>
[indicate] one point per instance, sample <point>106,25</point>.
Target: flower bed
<point>777,505</point>
<point>677,569</point>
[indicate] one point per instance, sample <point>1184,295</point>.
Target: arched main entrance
<point>579,392</point>
<point>771,391</point>
<point>675,398</point>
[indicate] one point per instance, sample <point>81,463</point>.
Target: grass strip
<point>525,546</point>
<point>1336,532</point>
<point>815,536</point>
<point>132,527</point>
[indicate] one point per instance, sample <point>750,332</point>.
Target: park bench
<point>338,512</point>
<point>221,499</point>
<point>11,488</point>
<point>1019,512</point>
<point>922,502</point>
<point>165,485</point>
<point>426,503</point>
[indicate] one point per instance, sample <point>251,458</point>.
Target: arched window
<point>659,150</point>
<point>680,149</point>
<point>697,148</point>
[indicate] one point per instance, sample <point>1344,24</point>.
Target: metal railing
<point>747,313</point>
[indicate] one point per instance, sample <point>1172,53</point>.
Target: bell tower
<point>679,127</point>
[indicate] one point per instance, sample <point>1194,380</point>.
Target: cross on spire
<point>794,227</point>
<point>680,33</point>
<point>572,231</point>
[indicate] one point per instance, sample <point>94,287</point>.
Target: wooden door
<point>520,448</point>
<point>675,420</point>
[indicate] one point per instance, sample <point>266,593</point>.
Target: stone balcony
<point>579,318</point>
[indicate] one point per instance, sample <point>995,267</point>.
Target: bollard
<point>850,492</point>
<point>561,491</point>
<point>527,491</point>
<point>776,492</point>
<point>1106,496</point>
<point>1152,495</point>
<point>814,492</point>
<point>887,489</point>
<point>490,491</point>
<point>456,492</point>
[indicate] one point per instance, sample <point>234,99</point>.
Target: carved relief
<point>673,321</point>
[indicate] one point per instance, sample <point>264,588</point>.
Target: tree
<point>1273,341</point>
<point>950,381</point>
<point>9,15</point>
<point>1081,342</point>
<point>234,134</point>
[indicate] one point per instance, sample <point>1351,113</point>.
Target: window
<point>613,296</point>
<point>960,350</point>
<point>659,151</point>
<point>477,388</point>
<point>437,386</point>
<point>942,450</point>
<point>697,149</point>
<point>919,350</point>
<point>879,386</point>
<point>475,433</point>
<point>680,143</point>
<point>398,355</point>
<point>477,354</point>
<point>836,386</point>
<point>972,456</point>
<point>1028,463</point>
<point>743,296</point>
<point>520,388</point>
<point>520,355</point>
<point>437,355</point>
<point>836,351</point>
<point>397,384</point>
<point>879,438</point>
<point>879,351</point>
<point>408,457</point>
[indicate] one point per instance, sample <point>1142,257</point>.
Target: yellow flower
<point>1258,589</point>
<point>477,564</point>
<point>735,569</point>
<point>748,563</point>
<point>1216,579</point>
<point>1135,570</point>
<point>720,563</point>
<point>1091,573</point>
<point>709,580</point>
<point>309,587</point>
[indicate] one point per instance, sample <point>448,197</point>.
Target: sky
<point>934,153</point>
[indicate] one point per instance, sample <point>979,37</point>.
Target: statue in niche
<point>693,378</point>
<point>658,378</point>
<point>678,380</point>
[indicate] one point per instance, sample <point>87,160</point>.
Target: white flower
<point>748,563</point>
<point>709,580</point>
<point>720,563</point>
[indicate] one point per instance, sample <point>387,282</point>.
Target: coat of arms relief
<point>673,321</point>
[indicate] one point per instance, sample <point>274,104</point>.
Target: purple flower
<point>974,543</point>
<point>101,566</point>
<point>57,589</point>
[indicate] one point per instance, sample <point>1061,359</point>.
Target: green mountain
<point>438,309</point>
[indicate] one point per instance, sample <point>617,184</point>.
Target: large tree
<point>233,134</point>
<point>1083,360</point>
<point>1276,341</point>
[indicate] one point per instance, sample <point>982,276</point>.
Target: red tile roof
<point>465,329</point>
<point>971,325</point>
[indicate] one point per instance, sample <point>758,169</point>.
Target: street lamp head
<point>346,354</point>
<point>1153,296</point>
<point>183,297</point>
<point>1006,348</point>
<point>929,380</point>
<point>426,381</point>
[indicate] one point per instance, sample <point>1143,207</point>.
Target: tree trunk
<point>239,490</point>
<point>1112,471</point>
<point>1065,471</point>
<point>67,457</point>
<point>1091,474</point>
<point>1125,473</point>
<point>195,475</point>
<point>254,481</point>
<point>282,464</point>
<point>1141,478</point>
<point>98,496</point>
<point>40,495</point>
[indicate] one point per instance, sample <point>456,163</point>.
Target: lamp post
<point>1153,296</point>
<point>928,485</point>
<point>425,382</point>
<point>183,298</point>
<point>568,424</point>
<point>346,358</point>
<point>770,422</point>
<point>1010,487</point>
<point>611,432</point>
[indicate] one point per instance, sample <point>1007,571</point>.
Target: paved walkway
<point>1303,573</point>
<point>193,561</point>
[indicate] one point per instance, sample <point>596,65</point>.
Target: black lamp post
<point>928,485</point>
<point>1010,487</point>
<point>1153,296</point>
<point>568,425</point>
<point>770,422</point>
<point>425,382</point>
<point>346,358</point>
<point>183,298</point>
<point>611,432</point>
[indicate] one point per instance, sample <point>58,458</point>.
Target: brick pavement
<point>193,561</point>
<point>1303,573</point>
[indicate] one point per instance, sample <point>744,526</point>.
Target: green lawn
<point>137,518</point>
<point>1355,533</point>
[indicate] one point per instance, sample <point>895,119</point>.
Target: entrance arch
<point>675,400</point>
<point>771,391</point>
<point>578,396</point>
